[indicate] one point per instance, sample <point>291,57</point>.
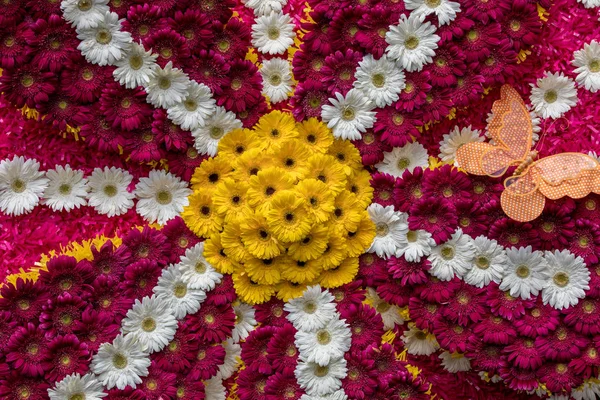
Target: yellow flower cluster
<point>281,207</point>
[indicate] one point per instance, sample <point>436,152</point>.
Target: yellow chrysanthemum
<point>266,184</point>
<point>249,291</point>
<point>229,199</point>
<point>359,240</point>
<point>210,173</point>
<point>201,216</point>
<point>287,290</point>
<point>324,168</point>
<point>347,212</point>
<point>238,142</point>
<point>215,255</point>
<point>301,272</point>
<point>334,253</point>
<point>288,218</point>
<point>346,154</point>
<point>291,156</point>
<point>359,183</point>
<point>276,127</point>
<point>311,246</point>
<point>267,272</point>
<point>340,275</point>
<point>249,164</point>
<point>231,239</point>
<point>315,134</point>
<point>258,238</point>
<point>318,199</point>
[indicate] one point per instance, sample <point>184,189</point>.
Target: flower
<point>167,86</point>
<point>390,226</point>
<point>419,342</point>
<point>86,387</point>
<point>215,127</point>
<point>173,290</point>
<point>455,362</point>
<point>192,112</point>
<point>277,79</point>
<point>319,380</point>
<point>136,67</point>
<point>379,80</point>
<point>453,257</point>
<point>488,263</point>
<point>67,189</point>
<point>244,322</point>
<point>568,279</point>
<point>312,311</point>
<point>553,95</point>
<point>405,158</point>
<point>21,185</point>
<point>525,273</point>
<point>273,33</point>
<point>444,10</point>
<point>152,322</point>
<point>161,196</point>
<point>105,43</point>
<point>196,271</point>
<point>415,244</point>
<point>390,314</point>
<point>412,43</point>
<point>84,15</point>
<point>121,363</point>
<point>325,344</point>
<point>350,115</point>
<point>457,137</point>
<point>587,61</point>
<point>265,7</point>
<point>108,191</point>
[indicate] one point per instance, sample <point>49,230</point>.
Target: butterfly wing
<point>567,174</point>
<point>521,200</point>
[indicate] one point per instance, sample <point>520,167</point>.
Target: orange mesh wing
<point>521,200</point>
<point>567,174</point>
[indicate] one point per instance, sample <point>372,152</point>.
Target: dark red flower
<point>254,349</point>
<point>308,98</point>
<point>371,147</point>
<point>140,278</point>
<point>17,387</point>
<point>169,45</point>
<point>158,385</point>
<point>59,315</point>
<point>123,108</point>
<point>13,46</point>
<point>344,27</point>
<point>23,300</point>
<point>207,360</point>
<point>149,244</point>
<point>348,294</point>
<point>244,89</point>
<point>308,66</point>
<point>141,20</point>
<point>105,297</point>
<point>52,43</point>
<point>479,40</point>
<point>453,336</point>
<point>280,386</point>
<point>397,127</point>
<point>109,260</point>
<point>338,70</point>
<point>281,351</point>
<point>383,188</point>
<point>271,313</point>
<point>561,345</point>
<point>361,379</point>
<point>66,274</point>
<point>194,27</point>
<point>436,291</point>
<point>559,377</point>
<point>415,92</point>
<point>424,313</point>
<point>189,388</point>
<point>510,233</point>
<point>83,82</point>
<point>223,293</point>
<point>317,37</point>
<point>66,355</point>
<point>98,131</point>
<point>251,384</point>
<point>180,237</point>
<point>466,305</point>
<point>435,215</point>
<point>213,323</point>
<point>374,25</point>
<point>495,330</point>
<point>96,328</point>
<point>27,351</point>
<point>183,164</point>
<point>27,85</point>
<point>231,40</point>
<point>365,325</point>
<point>502,304</point>
<point>215,10</point>
<point>521,23</point>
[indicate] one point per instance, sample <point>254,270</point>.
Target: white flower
<point>587,61</point>
<point>194,109</point>
<point>337,395</point>
<point>320,380</point>
<point>400,159</point>
<point>173,290</point>
<point>232,354</point>
<point>379,80</point>
<point>589,3</point>
<point>196,271</point>
<point>589,390</point>
<point>67,189</point>
<point>273,33</point>
<point>553,96</point>
<point>452,141</point>
<point>214,389</point>
<point>325,344</point>
<point>453,257</point>
<point>455,362</point>
<point>349,116</point>
<point>83,14</point>
<point>418,342</point>
<point>312,311</point>
<point>277,79</point>
<point>525,272</point>
<point>108,191</point>
<point>167,86</point>
<point>136,67</point>
<point>217,125</point>
<point>105,43</point>
<point>21,185</point>
<point>412,43</point>
<point>569,278</point>
<point>389,312</point>
<point>121,363</point>
<point>86,387</point>
<point>488,263</point>
<point>152,322</point>
<point>415,244</point>
<point>244,322</point>
<point>161,196</point>
<point>265,7</point>
<point>444,10</point>
<point>390,226</point>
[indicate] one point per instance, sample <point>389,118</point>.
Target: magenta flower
<point>435,215</point>
<point>281,351</point>
<point>365,324</point>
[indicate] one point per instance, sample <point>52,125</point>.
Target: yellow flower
<point>301,272</point>
<point>311,246</point>
<point>341,275</point>
<point>249,291</point>
<point>346,154</point>
<point>229,199</point>
<point>237,142</point>
<point>324,168</point>
<point>215,254</point>
<point>318,199</point>
<point>231,238</point>
<point>359,240</point>
<point>359,183</point>
<point>267,272</point>
<point>347,212</point>
<point>288,218</point>
<point>258,238</point>
<point>276,127</point>
<point>249,164</point>
<point>210,173</point>
<point>315,134</point>
<point>290,156</point>
<point>287,290</point>
<point>200,215</point>
<point>266,184</point>
<point>335,252</point>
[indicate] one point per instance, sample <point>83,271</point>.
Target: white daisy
<point>553,95</point>
<point>167,86</point>
<point>277,79</point>
<point>569,279</point>
<point>594,155</point>
<point>419,342</point>
<point>214,389</point>
<point>589,3</point>
<point>349,116</point>
<point>136,67</point>
<point>589,390</point>
<point>108,191</point>
<point>273,33</point>
<point>453,257</point>
<point>559,397</point>
<point>216,125</point>
<point>380,80</point>
<point>400,159</point>
<point>455,362</point>
<point>325,344</point>
<point>312,311</point>
<point>452,141</point>
<point>488,263</point>
<point>105,43</point>
<point>196,271</point>
<point>337,395</point>
<point>84,14</point>
<point>192,112</point>
<point>320,380</point>
<point>389,313</point>
<point>412,43</point>
<point>415,244</point>
<point>152,322</point>
<point>390,226</point>
<point>587,61</point>
<point>67,189</point>
<point>121,363</point>
<point>265,7</point>
<point>244,322</point>
<point>174,290</point>
<point>161,196</point>
<point>525,272</point>
<point>233,352</point>
<point>444,10</point>
<point>75,386</point>
<point>21,185</point>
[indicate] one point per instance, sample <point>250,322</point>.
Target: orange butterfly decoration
<point>567,174</point>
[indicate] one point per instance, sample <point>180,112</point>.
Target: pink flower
<point>210,69</point>
<point>96,328</point>
<point>231,40</point>
<point>374,24</point>
<point>348,295</point>
<point>283,385</point>
<point>471,218</point>
<point>13,46</point>
<point>52,42</point>
<point>27,85</point>
<point>149,244</point>
<point>510,233</point>
<point>504,305</point>
<point>424,313</point>
<point>559,377</point>
<point>409,273</point>
<point>383,188</point>
<point>223,293</point>
<point>344,25</point>
<point>317,38</point>
<point>448,65</point>
<point>584,317</point>
<point>307,65</point>
<point>140,278</point>
<point>66,274</point>
<point>13,385</point>
<point>141,20</point>
<point>408,189</point>
<point>179,354</point>
<point>465,305</point>
<point>453,336</point>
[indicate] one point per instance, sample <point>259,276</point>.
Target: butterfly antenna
<point>565,126</point>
